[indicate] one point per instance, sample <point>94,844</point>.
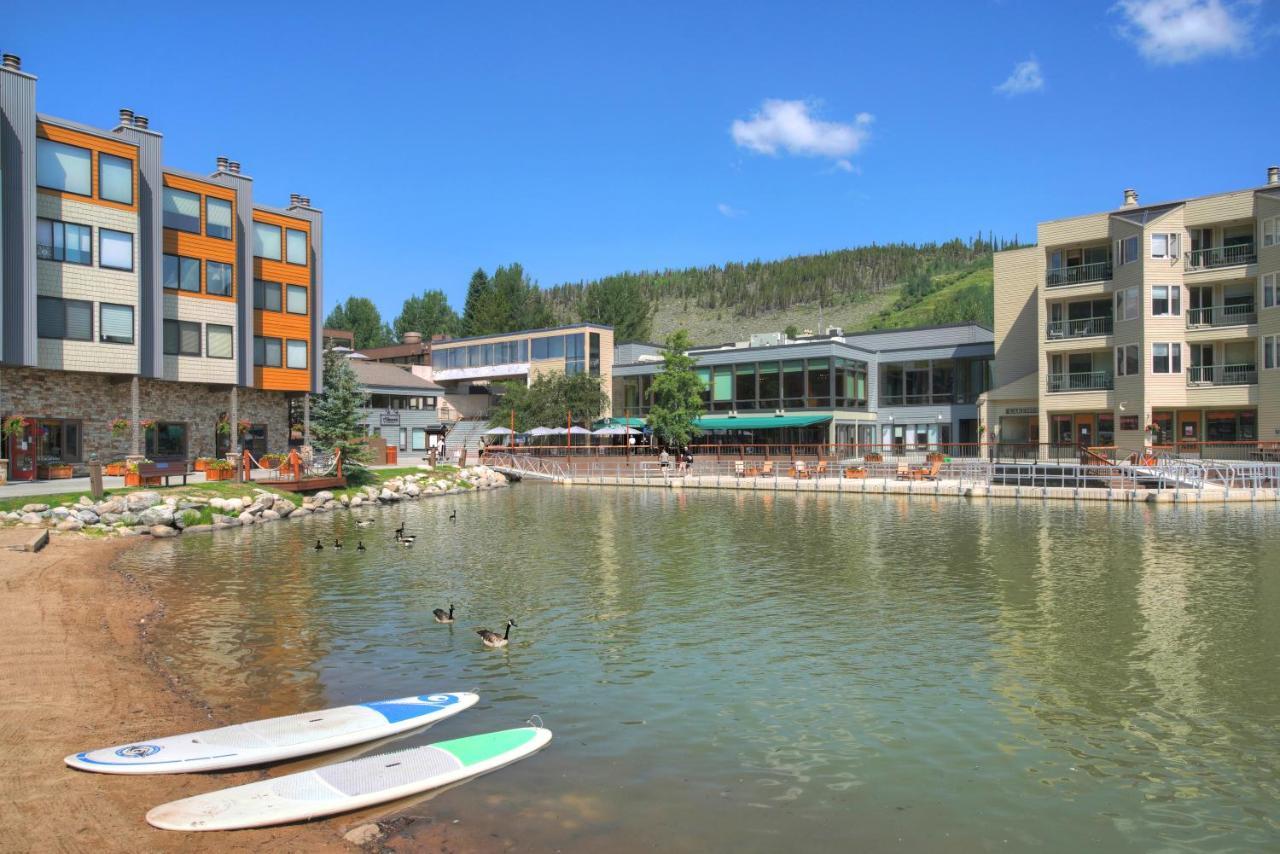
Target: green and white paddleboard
<point>346,786</point>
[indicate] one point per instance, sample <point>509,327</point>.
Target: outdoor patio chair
<point>904,470</point>
<point>739,467</point>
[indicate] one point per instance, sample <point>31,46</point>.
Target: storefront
<point>1088,429</point>
<point>1207,425</point>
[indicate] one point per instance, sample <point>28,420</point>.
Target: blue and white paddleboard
<point>273,739</point>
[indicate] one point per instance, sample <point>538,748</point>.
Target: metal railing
<point>1080,327</point>
<point>1221,256</point>
<point>526,464</point>
<point>1222,315</point>
<point>1079,274</point>
<point>1211,375</point>
<point>1089,381</point>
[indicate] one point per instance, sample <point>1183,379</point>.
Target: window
<point>181,210</point>
<point>115,323</point>
<point>64,241</point>
<point>295,246</point>
<point>67,319</point>
<point>1270,290</point>
<point>1127,360</point>
<point>217,218</point>
<point>593,354</point>
<point>1127,304</point>
<point>1271,231</point>
<point>1166,358</point>
<point>217,278</point>
<point>266,241</point>
<point>296,299</point>
<point>296,354</point>
<point>59,440</point>
<point>1127,249</point>
<point>266,352</point>
<point>115,249</point>
<point>1166,300</point>
<point>219,343</point>
<point>64,167</point>
<point>115,178</point>
<point>266,295</point>
<point>1271,351</point>
<point>181,338</point>
<point>182,273</point>
<point>167,440</point>
<point>1166,245</point>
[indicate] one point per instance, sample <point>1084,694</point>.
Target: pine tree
<point>335,412</point>
<point>476,310</point>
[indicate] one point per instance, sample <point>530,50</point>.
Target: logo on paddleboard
<point>138,751</point>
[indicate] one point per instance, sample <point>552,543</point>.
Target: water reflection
<point>753,670</point>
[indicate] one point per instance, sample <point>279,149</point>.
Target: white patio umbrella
<point>499,431</point>
<point>578,431</point>
<point>543,431</point>
<point>556,431</point>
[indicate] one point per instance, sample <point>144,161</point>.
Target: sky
<point>588,138</point>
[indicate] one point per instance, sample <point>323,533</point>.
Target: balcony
<point>1079,328</point>
<point>1080,274</point>
<point>1217,375</point>
<point>1240,314</point>
<point>1089,381</point>
<point>1221,256</point>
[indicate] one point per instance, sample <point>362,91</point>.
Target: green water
<point>754,672</point>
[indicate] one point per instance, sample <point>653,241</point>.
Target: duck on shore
<point>493,639</point>
<point>442,616</point>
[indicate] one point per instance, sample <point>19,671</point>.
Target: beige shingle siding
<point>1079,229</point>
<point>1019,278</point>
<point>200,368</point>
<point>90,283</point>
<point>1220,208</point>
<point>1267,205</point>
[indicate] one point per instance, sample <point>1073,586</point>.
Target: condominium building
<point>144,305</point>
<point>900,388</point>
<point>1143,325</point>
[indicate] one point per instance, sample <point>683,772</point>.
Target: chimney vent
<point>222,162</point>
<point>294,200</point>
<point>141,122</point>
<point>126,117</point>
<point>234,166</point>
<point>13,62</point>
<point>305,200</point>
<point>411,338</point>
<point>1273,175</point>
<point>1130,198</point>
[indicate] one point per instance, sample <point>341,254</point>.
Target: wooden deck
<point>306,484</point>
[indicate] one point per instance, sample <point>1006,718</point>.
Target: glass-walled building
<point>907,387</point>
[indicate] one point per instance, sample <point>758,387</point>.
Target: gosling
<point>443,617</point>
<point>494,640</point>
<point>319,547</point>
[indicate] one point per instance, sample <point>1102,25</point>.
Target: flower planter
<point>873,458</point>
<point>200,464</point>
<point>218,474</point>
<point>54,471</point>
<point>115,469</point>
<point>132,478</point>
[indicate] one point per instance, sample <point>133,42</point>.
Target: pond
<point>753,671</point>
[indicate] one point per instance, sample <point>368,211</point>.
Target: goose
<point>406,541</point>
<point>453,517</point>
<point>319,547</point>
<point>360,546</point>
<point>493,639</point>
<point>400,532</point>
<point>364,523</point>
<point>441,616</point>
<point>337,543</point>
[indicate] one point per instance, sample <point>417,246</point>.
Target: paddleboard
<point>273,739</point>
<point>350,785</point>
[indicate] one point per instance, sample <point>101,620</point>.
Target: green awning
<point>638,423</point>
<point>758,422</point>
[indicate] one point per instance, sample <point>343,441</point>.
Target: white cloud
<point>729,211</point>
<point>1026,77</point>
<point>1172,31</point>
<point>790,127</point>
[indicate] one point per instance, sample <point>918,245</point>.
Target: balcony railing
<point>1207,375</point>
<point>1089,381</point>
<point>1222,315</point>
<point>1078,275</point>
<point>1221,256</point>
<point>1080,327</point>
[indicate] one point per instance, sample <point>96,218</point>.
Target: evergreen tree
<point>620,303</point>
<point>476,312</point>
<point>335,412</point>
<point>360,316</point>
<point>677,394</point>
<point>549,400</point>
<point>429,314</point>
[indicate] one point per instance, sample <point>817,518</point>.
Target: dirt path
<point>73,675</point>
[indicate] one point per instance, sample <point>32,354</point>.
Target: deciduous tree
<point>677,393</point>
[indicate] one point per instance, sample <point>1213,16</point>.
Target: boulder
<point>85,501</point>
<point>412,490</point>
<point>323,496</point>
<point>221,526</point>
<point>32,519</point>
<point>184,518</point>
<point>111,505</point>
<point>265,499</point>
<point>137,501</point>
<point>59,513</point>
<point>300,513</point>
<point>233,506</point>
<point>356,501</point>
<point>171,502</point>
<point>283,508</point>
<point>387,495</point>
<point>88,516</point>
<point>218,503</point>
<point>161,514</point>
<point>126,532</point>
<point>70,525</point>
<point>344,499</point>
<point>162,531</point>
<point>141,529</point>
<point>270,515</point>
<point>197,529</point>
<point>247,518</point>
<point>227,521</point>
<point>35,508</point>
<point>189,504</point>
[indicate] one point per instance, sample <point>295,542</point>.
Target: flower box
<point>218,473</point>
<point>117,469</point>
<point>200,464</point>
<point>54,471</point>
<point>132,478</point>
<point>873,458</point>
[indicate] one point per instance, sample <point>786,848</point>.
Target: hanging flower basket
<point>14,424</point>
<point>148,423</point>
<point>223,427</point>
<point>242,427</point>
<point>120,427</point>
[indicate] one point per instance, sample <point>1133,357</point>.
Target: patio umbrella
<point>578,431</point>
<point>556,431</point>
<point>543,431</point>
<point>499,431</point>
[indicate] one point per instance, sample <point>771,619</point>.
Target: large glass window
<point>296,299</point>
<point>59,440</point>
<point>115,323</point>
<point>593,354</point>
<point>704,377</point>
<point>770,385</point>
<point>722,388</point>
<point>266,352</point>
<point>793,384</point>
<point>296,354</point>
<point>219,342</point>
<point>1166,300</point>
<point>217,218</point>
<point>167,440</point>
<point>64,167</point>
<point>217,278</point>
<point>181,338</point>
<point>1166,358</point>
<point>744,386</point>
<point>819,383</point>
<point>574,354</point>
<point>266,241</point>
<point>266,295</point>
<point>181,273</point>
<point>115,249</point>
<point>64,241</point>
<point>115,178</point>
<point>295,246</point>
<point>66,319</point>
<point>181,210</point>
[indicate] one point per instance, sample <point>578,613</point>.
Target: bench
<point>166,470</point>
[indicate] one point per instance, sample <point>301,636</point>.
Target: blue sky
<point>587,138</point>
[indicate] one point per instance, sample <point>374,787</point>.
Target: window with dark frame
<point>115,323</point>
<point>181,338</point>
<point>220,341</point>
<point>63,167</point>
<point>64,241</point>
<point>217,278</point>
<point>115,178</point>
<point>267,352</point>
<point>64,319</point>
<point>266,295</point>
<point>296,299</point>
<point>295,246</point>
<point>217,218</point>
<point>181,210</point>
<point>115,249</point>
<point>182,273</point>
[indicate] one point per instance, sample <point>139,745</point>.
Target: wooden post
<point>338,461</point>
<point>246,474</point>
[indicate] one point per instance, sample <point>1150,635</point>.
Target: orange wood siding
<point>201,246</point>
<point>95,144</point>
<point>281,324</point>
